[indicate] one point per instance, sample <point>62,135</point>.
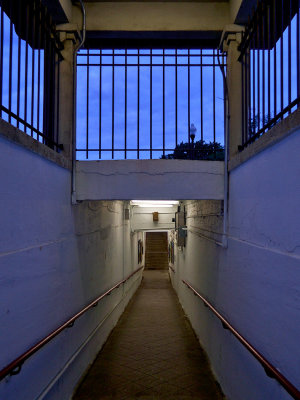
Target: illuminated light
<point>154,203</point>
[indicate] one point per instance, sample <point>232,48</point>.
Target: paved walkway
<point>152,354</point>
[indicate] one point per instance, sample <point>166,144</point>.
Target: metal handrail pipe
<point>14,367</point>
<point>270,370</point>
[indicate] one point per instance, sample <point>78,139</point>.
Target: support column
<point>66,86</point>
<point>234,84</point>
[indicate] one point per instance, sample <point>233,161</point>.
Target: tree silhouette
<point>197,151</point>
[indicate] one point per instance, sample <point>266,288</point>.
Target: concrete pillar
<point>66,85</point>
<point>234,83</point>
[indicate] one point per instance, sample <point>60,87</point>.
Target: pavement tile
<point>152,354</point>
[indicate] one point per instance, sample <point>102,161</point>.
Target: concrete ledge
<point>281,130</point>
<point>149,180</point>
<point>15,135</point>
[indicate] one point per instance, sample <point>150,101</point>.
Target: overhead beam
<point>152,40</point>
<point>149,180</point>
<point>154,16</point>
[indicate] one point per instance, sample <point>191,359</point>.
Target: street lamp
<point>193,131</point>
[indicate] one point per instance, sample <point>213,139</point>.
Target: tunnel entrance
<point>156,256</point>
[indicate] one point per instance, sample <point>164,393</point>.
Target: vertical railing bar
<point>176,98</point>
<point>164,117</point>
<point>19,69</point>
<point>258,65</point>
<point>39,68</point>
<point>138,106</point>
<point>298,52</point>
<point>245,103</point>
<point>269,62</point>
<point>52,88</point>
<point>253,86</point>
<point>189,100</point>
<point>51,107</point>
<point>263,24</point>
<point>247,95</point>
<point>151,104</point>
<point>113,106</point>
<point>248,112</point>
<point>50,84</point>
<point>87,103</point>
<point>243,67</point>
<point>100,104</point>
<point>275,58</point>
<point>1,58</point>
<point>281,56</point>
<point>125,111</point>
<point>26,68</point>
<point>18,80</point>
<point>290,56</point>
<point>45,102</point>
<point>10,61</point>
<point>225,110</point>
<point>214,96</point>
<point>57,91</point>
<point>201,94</point>
<point>32,63</point>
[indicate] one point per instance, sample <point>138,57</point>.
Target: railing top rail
<point>270,370</point>
<point>14,367</point>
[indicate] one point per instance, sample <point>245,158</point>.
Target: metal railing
<point>29,70</point>
<point>14,367</point>
<point>270,57</point>
<point>270,370</point>
<point>141,103</point>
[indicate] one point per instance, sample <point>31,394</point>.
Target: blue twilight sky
<point>157,102</point>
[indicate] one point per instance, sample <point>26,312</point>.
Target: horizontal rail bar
<point>17,363</point>
<point>32,128</point>
<point>179,150</point>
<point>80,54</point>
<point>268,367</point>
<point>147,65</point>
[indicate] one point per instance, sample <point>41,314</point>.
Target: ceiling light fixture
<point>154,203</point>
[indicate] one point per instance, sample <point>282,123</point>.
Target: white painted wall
<point>142,218</point>
<point>55,258</point>
<point>254,283</point>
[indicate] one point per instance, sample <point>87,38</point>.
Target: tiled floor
<point>152,354</point>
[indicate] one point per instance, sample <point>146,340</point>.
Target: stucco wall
<point>254,283</point>
<point>54,259</point>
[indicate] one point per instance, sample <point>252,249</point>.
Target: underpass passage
<point>152,353</point>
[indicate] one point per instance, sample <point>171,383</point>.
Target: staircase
<point>156,250</point>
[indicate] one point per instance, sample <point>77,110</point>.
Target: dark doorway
<point>156,250</point>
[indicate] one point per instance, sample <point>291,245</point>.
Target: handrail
<point>270,370</point>
<point>172,269</point>
<point>14,367</point>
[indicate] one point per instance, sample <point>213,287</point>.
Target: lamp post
<point>193,131</point>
